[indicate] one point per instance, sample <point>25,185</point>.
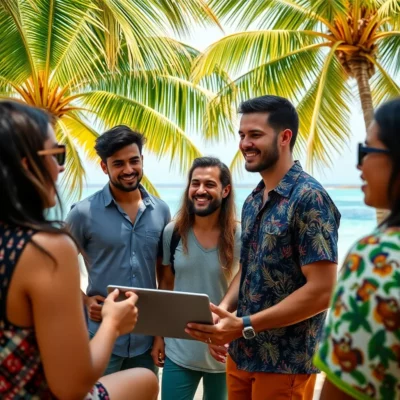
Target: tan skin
<point>124,167</point>
<point>205,181</point>
<point>375,173</point>
<point>47,297</point>
<point>256,138</point>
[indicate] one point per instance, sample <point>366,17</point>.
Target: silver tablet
<point>166,313</point>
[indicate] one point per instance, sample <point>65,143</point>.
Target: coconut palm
<point>96,63</point>
<point>318,53</point>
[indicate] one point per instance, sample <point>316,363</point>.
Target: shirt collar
<point>285,186</point>
<point>108,198</point>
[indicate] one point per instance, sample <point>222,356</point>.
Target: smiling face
<point>124,168</point>
<point>205,192</point>
<point>375,172</point>
<point>258,142</point>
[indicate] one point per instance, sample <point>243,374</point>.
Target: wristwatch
<point>248,331</point>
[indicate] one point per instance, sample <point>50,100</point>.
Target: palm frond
<point>389,52</point>
<point>84,135</point>
<point>164,138</point>
<point>237,164</point>
<point>249,49</point>
<point>325,113</point>
<point>383,87</point>
<point>329,9</point>
<point>272,14</point>
<point>182,15</point>
<point>74,176</point>
<point>177,99</point>
<point>286,76</point>
<point>16,62</point>
<point>149,186</point>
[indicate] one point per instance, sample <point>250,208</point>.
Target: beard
<point>204,212</point>
<point>268,159</point>
<point>126,187</point>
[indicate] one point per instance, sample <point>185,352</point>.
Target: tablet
<point>166,313</point>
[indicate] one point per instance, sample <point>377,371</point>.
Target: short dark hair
<point>281,113</point>
<point>115,139</point>
<point>387,117</point>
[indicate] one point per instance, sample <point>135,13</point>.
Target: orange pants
<point>243,385</point>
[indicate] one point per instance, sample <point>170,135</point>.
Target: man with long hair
<point>204,259</point>
<point>119,229</point>
<point>289,262</point>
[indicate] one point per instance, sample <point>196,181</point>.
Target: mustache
<point>128,176</point>
<point>203,196</point>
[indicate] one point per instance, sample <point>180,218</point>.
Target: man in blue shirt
<point>288,266</point>
<point>119,230</point>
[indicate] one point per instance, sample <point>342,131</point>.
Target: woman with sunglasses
<point>45,351</point>
<point>360,352</point>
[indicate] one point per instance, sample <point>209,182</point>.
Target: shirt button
<point>133,276</point>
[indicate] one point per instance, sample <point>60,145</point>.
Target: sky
<point>343,171</point>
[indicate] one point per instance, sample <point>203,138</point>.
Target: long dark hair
<point>387,118</point>
<point>23,198</point>
<point>227,216</point>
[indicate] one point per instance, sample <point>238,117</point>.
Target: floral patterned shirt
<point>360,351</point>
<point>297,226</point>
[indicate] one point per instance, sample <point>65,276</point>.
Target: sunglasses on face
<point>364,150</point>
<point>58,152</point>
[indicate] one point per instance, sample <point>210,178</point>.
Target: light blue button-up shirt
<point>118,252</point>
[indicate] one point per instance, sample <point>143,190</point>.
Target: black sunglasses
<point>59,152</point>
<point>364,150</point>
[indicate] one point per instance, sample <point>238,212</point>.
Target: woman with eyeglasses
<point>360,351</point>
<point>45,351</point>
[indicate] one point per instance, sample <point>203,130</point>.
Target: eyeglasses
<point>58,152</point>
<point>364,150</point>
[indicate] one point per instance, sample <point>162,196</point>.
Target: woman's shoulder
<point>56,244</point>
<point>380,237</point>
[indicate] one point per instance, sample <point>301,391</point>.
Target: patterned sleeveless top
<point>21,371</point>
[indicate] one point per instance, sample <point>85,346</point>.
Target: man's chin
<point>252,167</point>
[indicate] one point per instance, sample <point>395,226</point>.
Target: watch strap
<point>246,321</point>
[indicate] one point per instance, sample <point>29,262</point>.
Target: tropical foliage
<point>318,53</point>
<point>94,64</point>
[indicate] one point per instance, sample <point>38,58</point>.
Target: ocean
<point>357,219</point>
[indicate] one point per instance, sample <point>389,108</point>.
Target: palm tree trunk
<point>360,71</point>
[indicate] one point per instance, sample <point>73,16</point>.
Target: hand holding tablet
<point>166,313</point>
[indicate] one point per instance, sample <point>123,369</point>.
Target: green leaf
<point>359,377</point>
<point>376,344</point>
<point>394,283</point>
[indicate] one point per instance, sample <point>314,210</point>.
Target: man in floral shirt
<point>288,266</point>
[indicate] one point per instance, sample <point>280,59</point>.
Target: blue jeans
<point>180,383</point>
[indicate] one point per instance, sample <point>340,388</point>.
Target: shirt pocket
<point>274,238</point>
<point>151,248</point>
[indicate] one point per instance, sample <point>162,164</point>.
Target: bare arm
<point>71,365</point>
<point>309,300</point>
<point>167,278</point>
<point>230,300</point>
<point>332,392</point>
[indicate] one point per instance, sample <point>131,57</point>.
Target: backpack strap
<point>175,239</point>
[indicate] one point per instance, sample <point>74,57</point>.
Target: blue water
<point>357,219</point>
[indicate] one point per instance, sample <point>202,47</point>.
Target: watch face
<point>249,333</point>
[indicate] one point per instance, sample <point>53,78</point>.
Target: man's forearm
<point>230,301</point>
<point>299,306</point>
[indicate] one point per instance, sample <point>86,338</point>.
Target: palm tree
<point>96,63</point>
<point>312,52</point>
